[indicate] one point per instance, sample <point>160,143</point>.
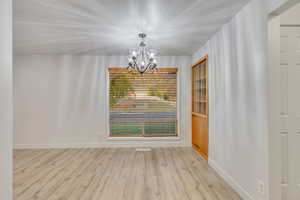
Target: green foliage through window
<point>120,86</point>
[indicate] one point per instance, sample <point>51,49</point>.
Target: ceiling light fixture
<point>142,59</point>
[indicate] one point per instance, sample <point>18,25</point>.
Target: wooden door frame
<point>142,137</point>
<point>201,60</point>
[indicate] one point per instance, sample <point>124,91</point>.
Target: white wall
<point>291,16</point>
<point>238,112</point>
<point>60,101</point>
<point>6,124</point>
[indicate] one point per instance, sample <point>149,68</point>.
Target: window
<point>143,105</point>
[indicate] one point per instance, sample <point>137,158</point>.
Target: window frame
<point>143,137</point>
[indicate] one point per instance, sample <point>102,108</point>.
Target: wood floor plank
<point>172,182</point>
<point>60,175</point>
<point>67,186</point>
<point>23,159</point>
<point>116,174</point>
<point>54,174</point>
<point>31,180</point>
<point>98,178</point>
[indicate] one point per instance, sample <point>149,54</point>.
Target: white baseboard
<point>100,145</point>
<point>239,189</point>
<point>55,146</point>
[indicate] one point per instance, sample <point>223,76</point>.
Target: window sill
<point>172,138</point>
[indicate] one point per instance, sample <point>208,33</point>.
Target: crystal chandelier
<point>142,59</point>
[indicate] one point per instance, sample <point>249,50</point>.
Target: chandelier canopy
<point>142,59</point>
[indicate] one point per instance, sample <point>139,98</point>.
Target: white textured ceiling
<point>174,27</point>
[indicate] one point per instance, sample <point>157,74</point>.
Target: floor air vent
<point>142,149</point>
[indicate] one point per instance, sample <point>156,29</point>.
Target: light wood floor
<point>116,174</point>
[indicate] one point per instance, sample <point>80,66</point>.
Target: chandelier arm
<point>136,66</point>
<point>130,67</point>
<point>147,67</point>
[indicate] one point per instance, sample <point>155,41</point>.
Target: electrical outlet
<point>261,187</point>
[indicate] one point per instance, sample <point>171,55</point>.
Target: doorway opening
<point>284,102</point>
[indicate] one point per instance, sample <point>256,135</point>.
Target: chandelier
<point>142,59</point>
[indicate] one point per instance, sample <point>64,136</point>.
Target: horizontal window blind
<point>143,105</point>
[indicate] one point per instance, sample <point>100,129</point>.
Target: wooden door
<point>200,107</point>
